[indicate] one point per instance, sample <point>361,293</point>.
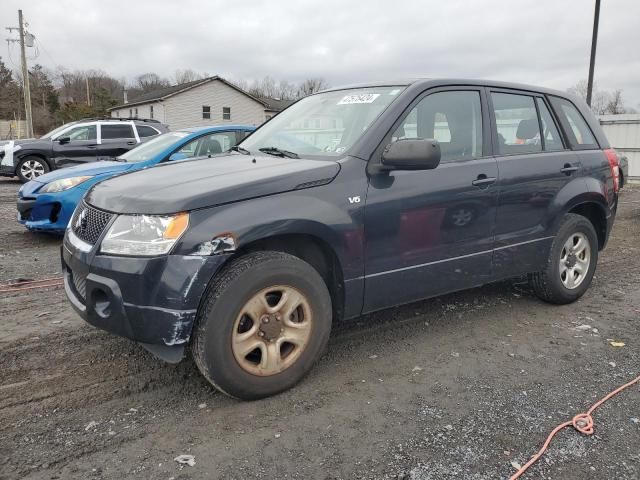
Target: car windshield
<point>325,124</point>
<point>56,130</point>
<point>153,147</point>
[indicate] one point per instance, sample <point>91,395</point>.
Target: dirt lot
<point>456,387</point>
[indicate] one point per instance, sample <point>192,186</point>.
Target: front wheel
<point>30,168</point>
<point>571,264</point>
<point>265,321</point>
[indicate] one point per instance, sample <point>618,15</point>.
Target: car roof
<point>216,128</point>
<point>437,82</point>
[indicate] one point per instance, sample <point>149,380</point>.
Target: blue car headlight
<point>64,184</point>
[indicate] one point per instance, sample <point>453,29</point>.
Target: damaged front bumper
<point>152,300</point>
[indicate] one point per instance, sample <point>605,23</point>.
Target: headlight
<point>144,235</point>
<point>63,184</point>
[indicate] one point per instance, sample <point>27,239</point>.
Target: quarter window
<point>226,113</point>
<point>206,112</point>
<point>145,131</point>
<point>452,118</point>
<point>516,124</point>
<point>581,133</point>
<point>550,134</point>
<point>112,132</point>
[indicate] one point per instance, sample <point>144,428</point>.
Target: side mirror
<point>63,140</point>
<point>411,154</point>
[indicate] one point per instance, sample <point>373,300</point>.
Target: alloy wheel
<point>575,260</point>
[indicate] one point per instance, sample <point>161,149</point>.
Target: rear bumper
<point>152,300</point>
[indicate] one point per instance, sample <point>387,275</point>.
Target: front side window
<point>85,132</point>
<point>344,115</point>
<point>206,112</point>
<point>112,132</point>
<point>226,113</point>
<point>152,148</point>
<point>208,145</point>
<point>581,132</point>
<point>516,123</point>
<point>453,118</point>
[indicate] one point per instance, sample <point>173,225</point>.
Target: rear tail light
<point>612,157</point>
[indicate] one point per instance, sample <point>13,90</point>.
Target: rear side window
<point>144,131</point>
<point>453,118</point>
<point>111,132</point>
<point>550,134</point>
<point>579,129</point>
<point>516,123</point>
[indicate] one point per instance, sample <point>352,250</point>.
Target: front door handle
<point>568,169</point>
<point>483,181</point>
<point>132,142</point>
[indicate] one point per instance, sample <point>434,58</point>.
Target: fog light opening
<point>101,302</point>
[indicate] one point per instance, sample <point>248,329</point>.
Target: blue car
<point>47,203</point>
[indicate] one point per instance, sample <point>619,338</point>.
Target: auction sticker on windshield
<point>364,98</point>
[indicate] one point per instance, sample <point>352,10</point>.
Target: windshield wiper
<point>278,152</point>
<point>238,148</point>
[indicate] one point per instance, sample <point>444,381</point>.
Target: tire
<point>31,167</point>
<point>554,286</point>
<point>220,324</point>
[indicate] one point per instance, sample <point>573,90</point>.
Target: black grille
<point>88,223</point>
<point>80,284</point>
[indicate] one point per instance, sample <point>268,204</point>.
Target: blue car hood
<point>93,168</point>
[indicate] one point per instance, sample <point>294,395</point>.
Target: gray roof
<point>162,93</point>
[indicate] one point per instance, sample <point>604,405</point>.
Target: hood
<point>19,141</point>
<point>92,168</point>
<point>207,182</point>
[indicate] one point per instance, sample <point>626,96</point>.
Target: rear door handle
<point>568,169</point>
<point>483,181</point>
<point>132,142</point>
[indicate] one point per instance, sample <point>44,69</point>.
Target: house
<point>207,101</point>
<point>623,133</point>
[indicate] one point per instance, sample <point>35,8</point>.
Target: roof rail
<point>149,120</point>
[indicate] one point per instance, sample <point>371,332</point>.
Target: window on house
<point>136,112</point>
<point>206,112</point>
<point>151,111</point>
<point>130,112</point>
<point>226,113</point>
<point>118,114</point>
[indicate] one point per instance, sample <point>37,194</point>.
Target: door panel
<point>529,182</point>
<point>81,146</point>
<point>431,232</point>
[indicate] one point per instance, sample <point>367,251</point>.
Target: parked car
<point>250,263</point>
<point>47,203</point>
<point>74,143</point>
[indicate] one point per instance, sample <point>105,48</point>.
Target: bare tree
<point>311,85</point>
<point>615,105</point>
<point>148,82</point>
<point>186,76</point>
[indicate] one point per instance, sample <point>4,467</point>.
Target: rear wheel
<point>30,168</point>
<point>263,324</point>
<point>571,263</point>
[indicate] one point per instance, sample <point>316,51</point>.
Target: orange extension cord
<point>31,285</point>
<point>583,423</point>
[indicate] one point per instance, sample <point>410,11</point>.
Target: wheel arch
<point>25,154</point>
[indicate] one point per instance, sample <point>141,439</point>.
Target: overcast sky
<point>543,42</point>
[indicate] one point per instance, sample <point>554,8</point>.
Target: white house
<point>209,101</point>
<point>623,132</point>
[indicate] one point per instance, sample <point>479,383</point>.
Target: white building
<point>623,133</point>
<point>209,101</point>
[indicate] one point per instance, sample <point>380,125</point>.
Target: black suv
<point>87,140</point>
<point>349,201</point>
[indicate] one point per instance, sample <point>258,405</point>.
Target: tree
<point>602,102</point>
<point>10,94</point>
<point>311,85</point>
<point>186,76</point>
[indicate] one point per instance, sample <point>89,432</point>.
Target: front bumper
<point>48,212</point>
<point>151,300</point>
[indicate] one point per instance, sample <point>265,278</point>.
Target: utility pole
<point>25,71</point>
<point>25,78</point>
<point>594,41</point>
<point>86,79</point>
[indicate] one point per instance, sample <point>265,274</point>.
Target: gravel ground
<point>462,386</point>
